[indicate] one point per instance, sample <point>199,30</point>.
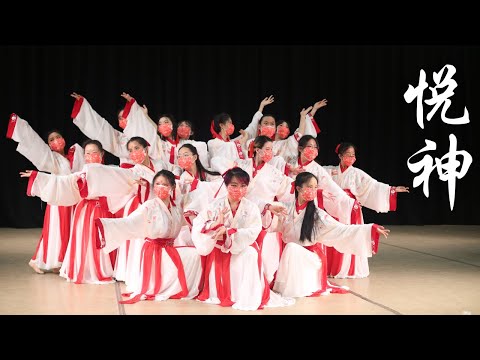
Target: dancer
<point>307,229</point>
<point>370,193</point>
<point>49,157</point>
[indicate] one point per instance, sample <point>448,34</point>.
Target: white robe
<point>153,220</point>
<point>198,195</point>
<point>300,270</point>
<point>371,194</point>
<point>335,201</point>
<point>288,148</point>
<point>232,148</point>
<point>50,250</point>
<point>268,184</point>
<point>142,125</point>
<point>83,262</point>
<point>248,288</point>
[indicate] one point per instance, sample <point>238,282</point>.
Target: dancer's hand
<point>383,231</point>
<point>26,173</point>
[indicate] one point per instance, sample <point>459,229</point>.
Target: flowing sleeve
<point>139,124</point>
<point>336,201</point>
<point>31,145</point>
<point>252,128</point>
<point>287,148</point>
<point>372,193</point>
<point>115,231</point>
<point>347,239</point>
<point>222,164</point>
<point>116,183</point>
<point>310,127</point>
<point>244,236</point>
<point>61,190</point>
<point>97,128</point>
<point>201,233</point>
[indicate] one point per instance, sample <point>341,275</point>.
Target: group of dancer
<point>247,222</point>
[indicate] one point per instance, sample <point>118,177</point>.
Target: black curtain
<point>364,86</point>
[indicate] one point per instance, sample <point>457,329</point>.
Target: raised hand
<point>126,96</point>
<point>76,96</point>
<point>243,139</point>
<point>267,101</point>
<point>320,104</point>
<point>304,112</point>
<point>401,189</point>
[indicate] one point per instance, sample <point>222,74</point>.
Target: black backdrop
<point>364,85</point>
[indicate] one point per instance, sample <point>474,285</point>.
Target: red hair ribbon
<point>251,147</point>
<point>336,149</point>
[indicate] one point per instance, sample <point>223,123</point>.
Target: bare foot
<point>35,267</point>
<point>56,270</point>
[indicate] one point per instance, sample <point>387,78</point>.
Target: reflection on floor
<point>430,270</point>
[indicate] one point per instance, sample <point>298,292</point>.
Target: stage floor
<point>419,270</point>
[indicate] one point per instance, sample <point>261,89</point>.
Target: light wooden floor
<point>428,270</point>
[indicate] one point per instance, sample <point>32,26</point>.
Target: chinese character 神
<point>449,174</point>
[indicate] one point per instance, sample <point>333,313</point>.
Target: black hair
<point>51,132</point>
<point>307,232</point>
<point>167,174</point>
<point>93,142</point>
<point>238,173</point>
<point>260,142</point>
<point>283,121</point>
<point>200,168</point>
<point>190,124</point>
<point>174,126</point>
<point>303,142</point>
<point>267,115</point>
<point>138,139</point>
<point>344,147</point>
<point>218,119</point>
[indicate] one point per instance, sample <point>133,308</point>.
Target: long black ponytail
<point>311,217</point>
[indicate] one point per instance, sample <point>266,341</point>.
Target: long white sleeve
<point>252,128</point>
<point>31,145</point>
<point>97,128</point>
<point>61,190</point>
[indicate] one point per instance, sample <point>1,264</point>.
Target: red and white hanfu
<point>51,247</point>
<point>369,193</point>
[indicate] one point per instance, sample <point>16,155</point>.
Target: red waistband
<point>161,241</point>
<point>349,193</point>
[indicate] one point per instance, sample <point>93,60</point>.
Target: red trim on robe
<point>89,234</point>
<point>77,105</point>
<point>127,108</point>
<point>71,155</point>
<point>315,125</point>
<point>31,180</point>
<point>393,199</point>
<point>255,168</point>
<point>65,217</point>
<point>152,250</point>
<point>82,187</point>
<point>126,165</point>
<point>375,238</point>
<point>320,199</point>
<point>11,125</point>
<point>239,149</point>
